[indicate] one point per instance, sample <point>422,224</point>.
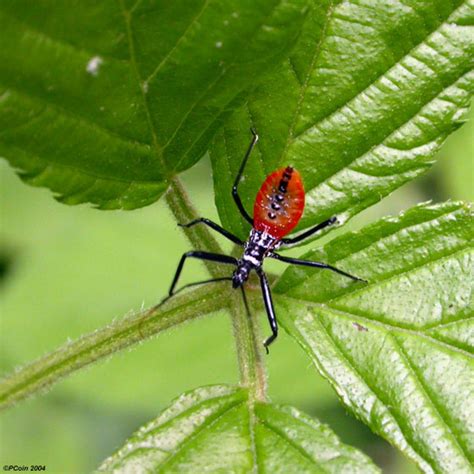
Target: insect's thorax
<point>257,247</point>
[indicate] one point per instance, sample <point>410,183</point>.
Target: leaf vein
<point>293,70</point>
<point>327,179</point>
<point>294,445</point>
<point>72,115</point>
<point>449,323</point>
<point>406,271</point>
<point>306,80</point>
<point>372,83</point>
<point>205,426</point>
<point>209,88</point>
<point>426,394</point>
<point>194,20</point>
<point>59,41</point>
<point>131,48</point>
<point>378,397</point>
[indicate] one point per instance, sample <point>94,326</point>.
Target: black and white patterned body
<point>257,247</point>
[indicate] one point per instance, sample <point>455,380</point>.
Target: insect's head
<point>240,275</point>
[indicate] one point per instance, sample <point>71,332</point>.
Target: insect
<point>278,208</point>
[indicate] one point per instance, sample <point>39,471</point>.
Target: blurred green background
<point>65,271</point>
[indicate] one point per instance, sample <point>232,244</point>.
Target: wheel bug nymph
<point>277,210</point>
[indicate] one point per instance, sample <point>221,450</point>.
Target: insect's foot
<point>268,341</point>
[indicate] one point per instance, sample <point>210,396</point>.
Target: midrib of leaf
<point>188,113</point>
<point>388,327</point>
<point>178,203</point>
<point>307,78</point>
<point>126,16</point>
<point>355,341</point>
<point>295,446</point>
<point>417,168</point>
<point>253,444</point>
<point>135,6</point>
<point>366,417</point>
<point>187,443</point>
<point>377,79</point>
<point>193,416</point>
<point>178,42</point>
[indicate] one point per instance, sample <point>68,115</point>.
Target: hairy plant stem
<point>249,349</point>
<point>123,333</point>
<point>245,328</point>
<point>199,235</point>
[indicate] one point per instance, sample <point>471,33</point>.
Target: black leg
<point>196,283</point>
<point>308,263</point>
<point>267,299</point>
<point>213,257</point>
<point>235,192</point>
<point>216,227</point>
<point>291,241</point>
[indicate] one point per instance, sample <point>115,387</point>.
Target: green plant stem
<point>249,349</point>
<point>121,334</point>
<point>246,333</point>
<point>199,235</point>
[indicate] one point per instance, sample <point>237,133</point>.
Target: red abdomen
<point>279,203</point>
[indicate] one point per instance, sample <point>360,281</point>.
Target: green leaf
<point>398,350</point>
<point>219,429</point>
<point>361,106</point>
<point>105,102</point>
